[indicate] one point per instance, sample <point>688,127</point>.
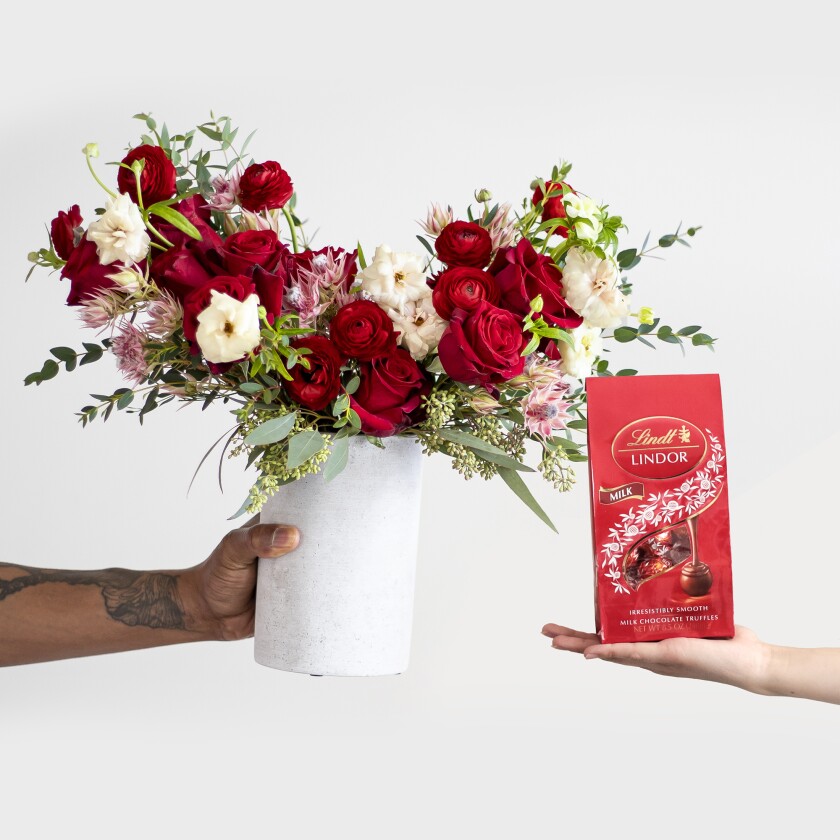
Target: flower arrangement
<point>200,275</point>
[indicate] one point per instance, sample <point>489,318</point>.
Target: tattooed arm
<point>50,614</point>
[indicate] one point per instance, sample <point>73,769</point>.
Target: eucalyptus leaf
<point>272,431</point>
<point>303,446</point>
<point>338,458</point>
<point>515,482</point>
<point>243,508</point>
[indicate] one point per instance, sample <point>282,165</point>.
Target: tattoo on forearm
<point>139,599</point>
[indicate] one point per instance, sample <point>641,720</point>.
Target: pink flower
<point>303,295</point>
<point>165,316</point>
<point>546,411</point>
<point>437,219</point>
<point>100,310</point>
<point>502,229</point>
<point>127,346</point>
<point>226,192</point>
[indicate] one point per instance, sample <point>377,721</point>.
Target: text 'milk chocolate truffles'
<point>660,511</point>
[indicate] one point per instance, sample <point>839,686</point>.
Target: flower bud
<point>33,256</point>
<point>483,195</point>
<point>645,315</point>
<point>537,304</point>
<point>91,150</point>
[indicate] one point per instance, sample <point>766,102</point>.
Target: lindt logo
<point>659,447</point>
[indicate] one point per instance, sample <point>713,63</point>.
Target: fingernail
<point>588,655</point>
<point>286,536</point>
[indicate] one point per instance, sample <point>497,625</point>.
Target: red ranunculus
<point>522,274</point>
<point>199,299</point>
<point>389,397</point>
<point>197,212</point>
<point>157,180</point>
<point>464,243</point>
<point>86,274</point>
<point>243,250</point>
<point>316,387</point>
<point>554,207</point>
<point>464,288</point>
<point>363,330</point>
<point>264,186</point>
<point>63,231</point>
<point>483,346</point>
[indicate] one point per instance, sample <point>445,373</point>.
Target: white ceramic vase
<point>341,604</point>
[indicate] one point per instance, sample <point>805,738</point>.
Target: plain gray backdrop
<point>724,116</point>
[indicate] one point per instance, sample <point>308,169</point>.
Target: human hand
<point>742,661</point>
<point>219,594</point>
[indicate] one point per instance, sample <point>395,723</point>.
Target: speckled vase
<point>341,604</point>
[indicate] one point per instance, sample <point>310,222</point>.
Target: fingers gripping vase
<point>341,604</point>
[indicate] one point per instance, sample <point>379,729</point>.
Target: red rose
<point>270,287</point>
<point>553,207</point>
<point>317,386</point>
<point>157,180</point>
<point>363,330</point>
<point>464,288</point>
<point>264,186</point>
<point>464,243</point>
<point>199,299</point>
<point>243,250</point>
<point>86,274</point>
<point>522,274</point>
<point>195,210</point>
<point>389,397</point>
<point>482,346</point>
<point>181,269</point>
<point>63,231</point>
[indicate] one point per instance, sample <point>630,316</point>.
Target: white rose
<point>579,357</point>
<point>586,216</point>
<point>228,329</point>
<point>119,233</point>
<point>420,327</point>
<point>394,279</point>
<point>590,286</point>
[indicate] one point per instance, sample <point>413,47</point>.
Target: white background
<point>725,117</point>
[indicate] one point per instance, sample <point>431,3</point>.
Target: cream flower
<point>585,215</point>
<point>129,278</point>
<point>228,329</point>
<point>420,328</point>
<point>590,286</point>
<point>119,233</point>
<point>579,357</point>
<point>394,279</point>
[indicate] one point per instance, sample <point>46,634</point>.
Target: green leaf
<point>531,346</point>
<point>49,370</point>
<point>515,482</point>
<point>667,241</point>
<point>67,355</point>
<point>303,446</point>
<point>272,430</point>
<point>243,508</point>
<point>426,245</point>
<point>627,372</point>
<point>176,219</point>
<point>353,385</point>
<point>211,133</point>
<point>251,387</point>
<point>625,334</point>
<point>483,449</point>
<point>699,339</point>
<point>577,424</point>
<point>338,458</point>
<point>125,400</point>
<point>360,255</point>
<point>688,330</point>
<point>625,258</point>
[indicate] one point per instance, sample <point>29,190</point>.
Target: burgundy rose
<point>318,385</point>
<point>553,207</point>
<point>522,274</point>
<point>86,274</point>
<point>157,180</point>
<point>270,287</point>
<point>464,243</point>
<point>243,250</point>
<point>180,270</point>
<point>363,330</point>
<point>195,210</point>
<point>389,397</point>
<point>199,299</point>
<point>464,288</point>
<point>63,231</point>
<point>482,346</point>
<point>264,186</point>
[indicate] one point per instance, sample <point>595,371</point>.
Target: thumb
<point>240,548</point>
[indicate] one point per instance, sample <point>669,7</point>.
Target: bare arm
<point>48,614</point>
<point>744,661</point>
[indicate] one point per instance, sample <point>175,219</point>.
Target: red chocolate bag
<point>660,511</point>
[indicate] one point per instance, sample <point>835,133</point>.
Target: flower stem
<point>291,222</point>
<point>96,177</point>
<point>157,233</point>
